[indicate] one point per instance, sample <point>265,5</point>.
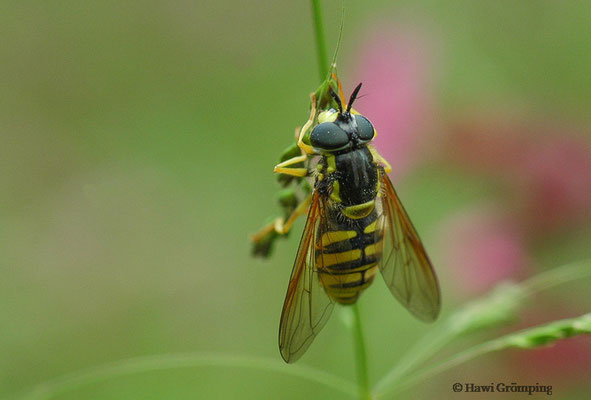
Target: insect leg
<point>282,168</point>
<point>260,235</point>
<point>280,227</point>
<point>305,147</point>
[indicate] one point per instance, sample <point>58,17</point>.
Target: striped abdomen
<point>347,256</point>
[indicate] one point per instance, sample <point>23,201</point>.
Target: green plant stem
<point>320,42</point>
<point>360,355</point>
<point>421,351</point>
<point>359,342</point>
<point>557,276</point>
<point>525,339</point>
<point>76,379</point>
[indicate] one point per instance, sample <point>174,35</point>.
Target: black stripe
<point>328,270</point>
<point>354,284</point>
<point>347,285</point>
<point>346,267</point>
<point>361,241</point>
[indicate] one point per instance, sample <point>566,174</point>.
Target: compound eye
<point>365,128</point>
<point>328,136</point>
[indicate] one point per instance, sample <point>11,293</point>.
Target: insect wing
<point>307,307</point>
<point>405,266</point>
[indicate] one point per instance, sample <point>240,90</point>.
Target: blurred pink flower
<point>487,144</point>
<point>481,247</point>
<point>549,166</point>
<point>557,175</point>
<point>394,65</point>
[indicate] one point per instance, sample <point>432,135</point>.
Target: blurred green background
<point>138,140</point>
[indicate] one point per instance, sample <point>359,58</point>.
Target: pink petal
<point>549,166</point>
<point>394,65</point>
<point>482,247</point>
<point>557,175</point>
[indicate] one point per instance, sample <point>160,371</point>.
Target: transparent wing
<point>405,265</point>
<point>307,306</point>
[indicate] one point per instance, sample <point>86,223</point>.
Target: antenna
<point>353,97</point>
<point>337,99</point>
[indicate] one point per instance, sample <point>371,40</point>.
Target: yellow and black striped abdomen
<point>347,257</point>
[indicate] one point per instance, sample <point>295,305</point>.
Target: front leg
<point>306,148</point>
<point>283,167</point>
<point>280,227</point>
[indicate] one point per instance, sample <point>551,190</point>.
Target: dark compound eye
<point>365,128</point>
<point>328,136</point>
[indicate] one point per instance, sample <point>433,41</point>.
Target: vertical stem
<point>320,42</point>
<point>422,350</point>
<point>360,355</point>
<point>359,342</point>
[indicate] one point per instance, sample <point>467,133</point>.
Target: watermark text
<point>502,387</point>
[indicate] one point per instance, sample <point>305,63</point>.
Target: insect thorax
<point>350,180</point>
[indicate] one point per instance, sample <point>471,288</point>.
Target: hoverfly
<point>356,225</point>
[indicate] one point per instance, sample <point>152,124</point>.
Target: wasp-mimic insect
<point>356,225</point>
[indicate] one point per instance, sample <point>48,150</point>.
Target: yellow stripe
<point>368,273</point>
<point>371,273</point>
<point>363,268</point>
<point>371,227</point>
<point>360,210</point>
<point>326,260</point>
<point>348,295</point>
<point>370,250</point>
<point>336,189</point>
<point>335,236</point>
<point>332,167</point>
<point>330,280</point>
<point>351,290</point>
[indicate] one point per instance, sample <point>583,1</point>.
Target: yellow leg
<point>257,237</point>
<point>307,148</point>
<point>282,226</point>
<point>283,168</point>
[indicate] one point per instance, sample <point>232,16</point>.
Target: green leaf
<point>139,365</point>
<point>526,339</point>
<point>546,334</point>
<point>497,308</point>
